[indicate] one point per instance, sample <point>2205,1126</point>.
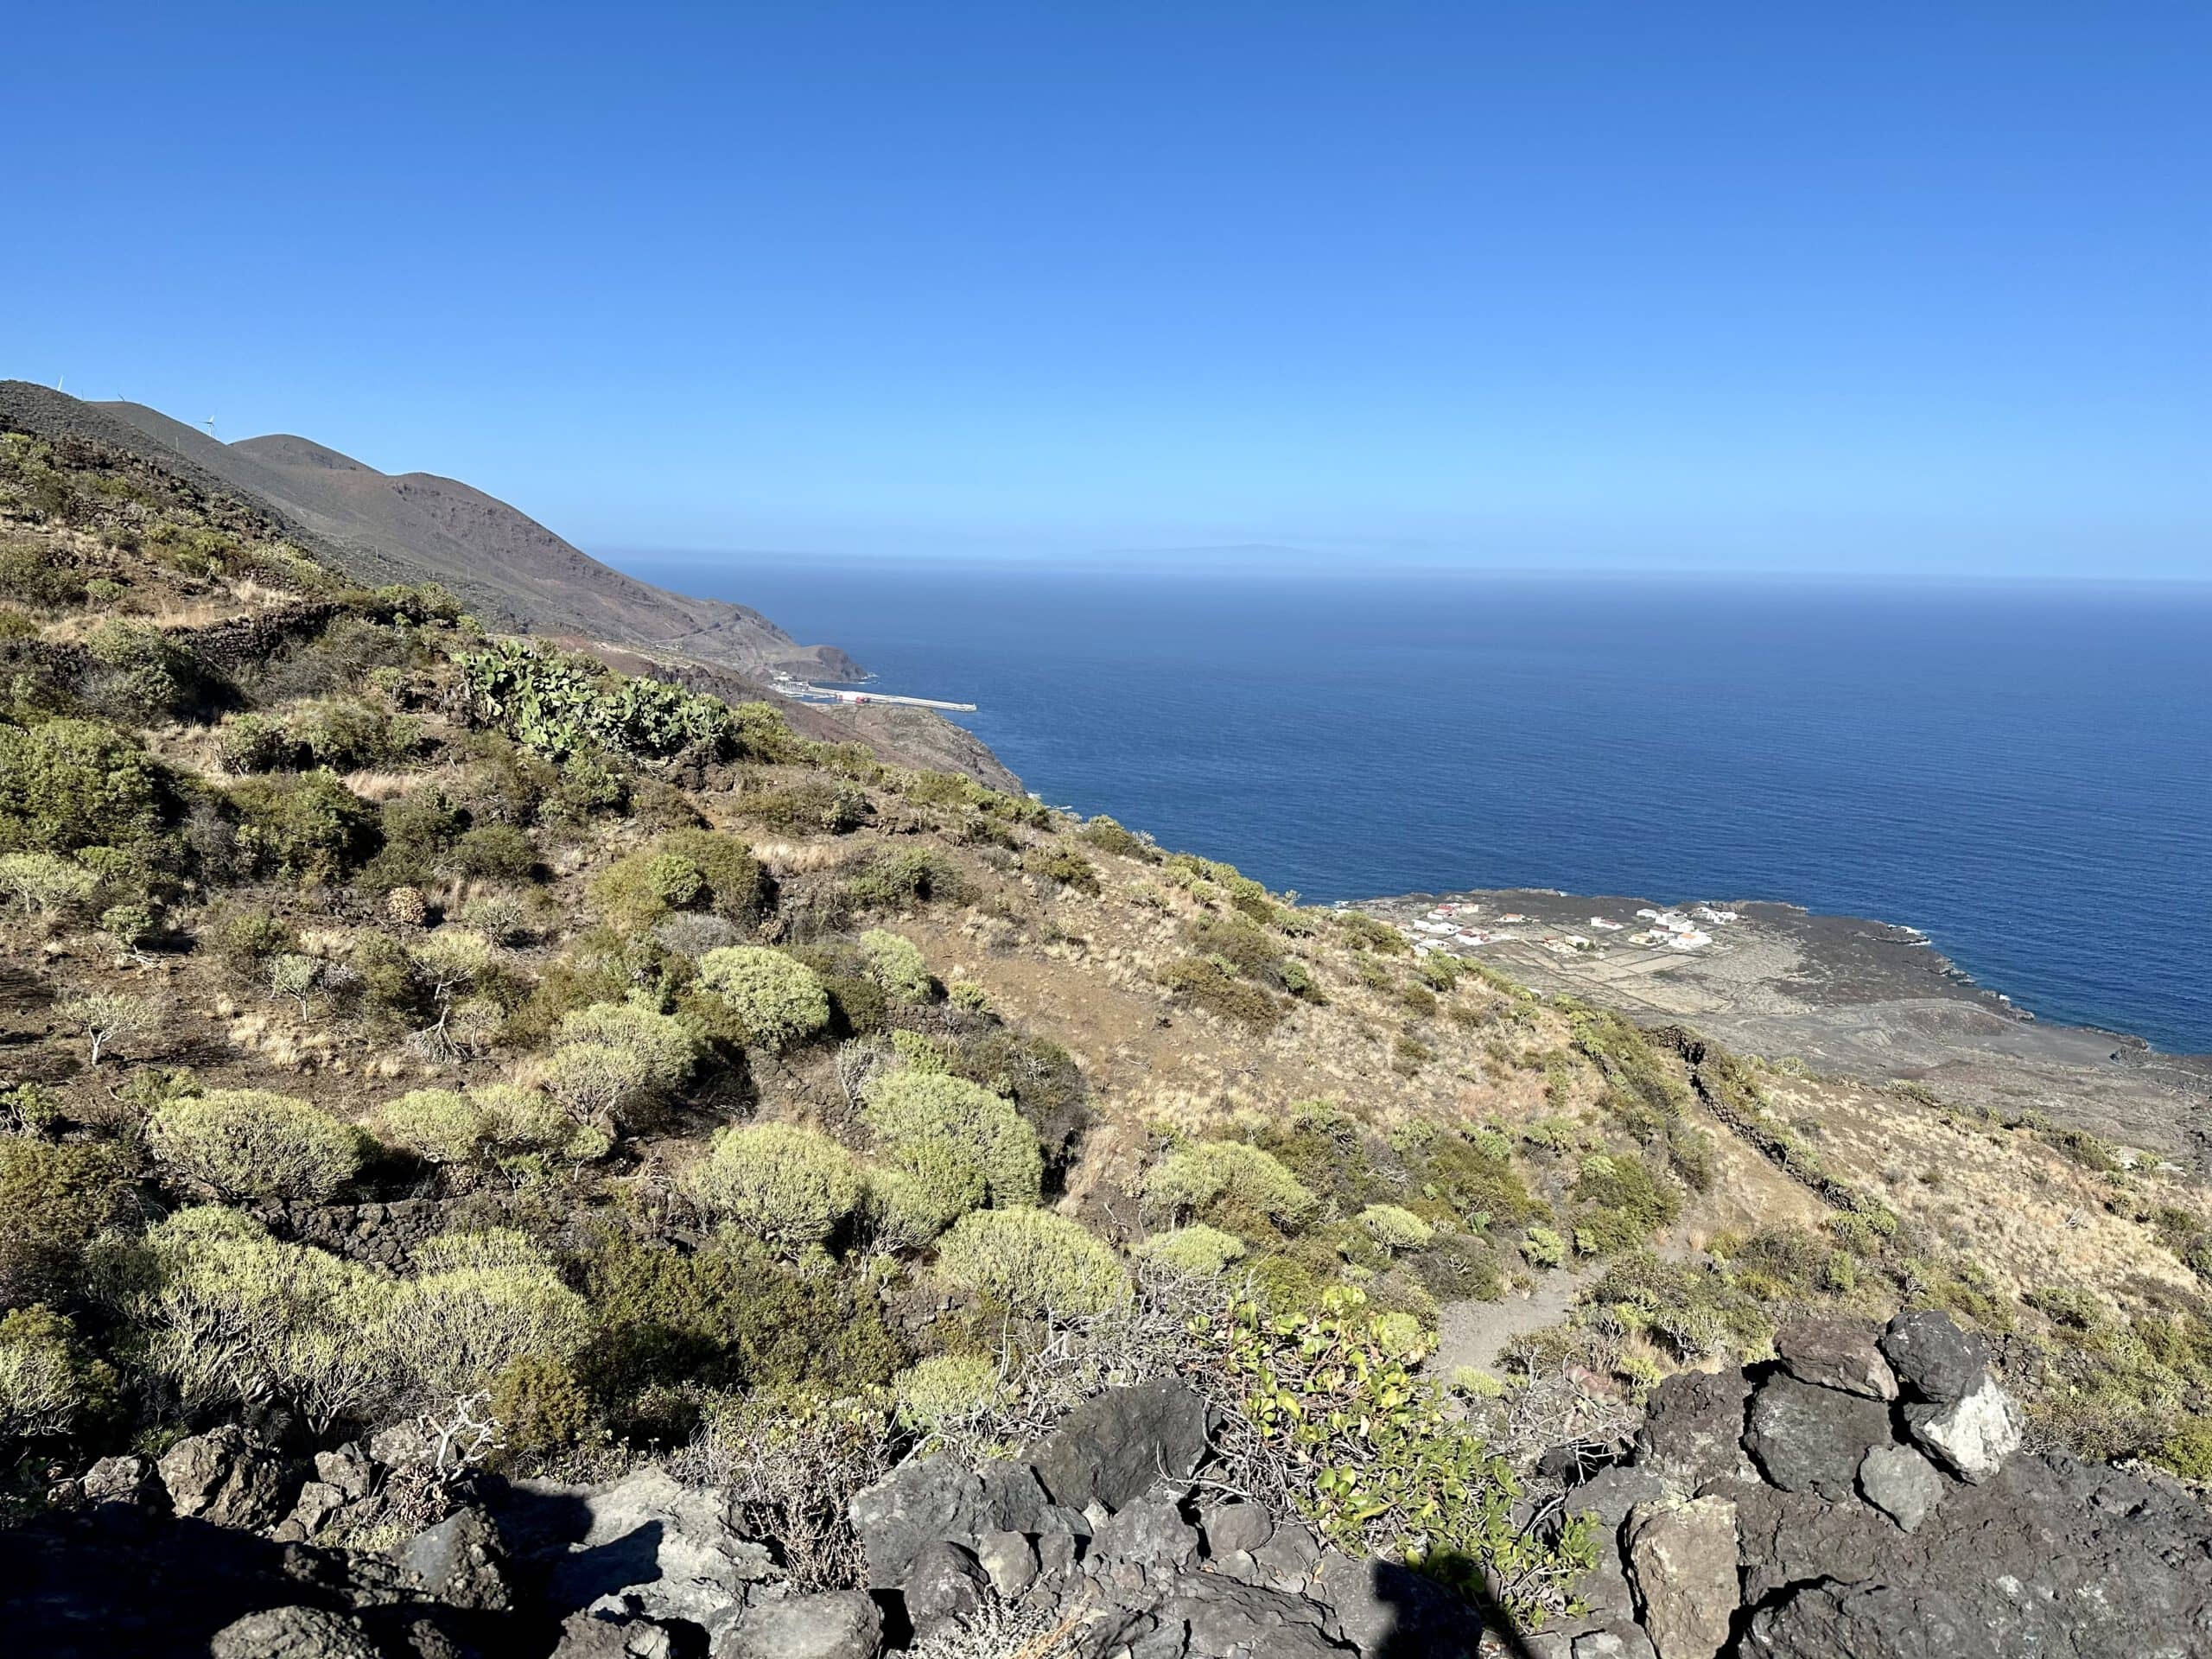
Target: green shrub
<point>1626,1203</point>
<point>346,734</point>
<point>479,1303</point>
<point>309,827</point>
<point>540,1406</point>
<point>727,1315</point>
<point>46,883</point>
<point>788,1186</point>
<point>494,852</point>
<point>948,1132</point>
<point>1033,1262</point>
<point>249,1143</point>
<point>142,673</point>
<point>47,1381</point>
<point>1331,1392</point>
<point>669,1051</point>
<point>1212,982</point>
<point>775,1001</point>
<point>1231,1182</point>
<point>1459,1268</point>
<point>439,1126</point>
<point>55,1198</point>
<point>1543,1246</point>
<point>1396,1229</point>
<point>1195,1248</point>
<point>945,1389</point>
<point>1062,865</point>
<point>228,1315</point>
<point>1109,836</point>
<point>906,1209</point>
<point>75,783</point>
<point>685,869</point>
<point>896,965</point>
<point>562,704</point>
<point>249,743</point>
<point>594,1080</point>
<point>908,876</point>
<point>811,807</point>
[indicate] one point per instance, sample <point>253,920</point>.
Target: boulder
<point>1833,1352</point>
<point>348,1469</point>
<point>1809,1438</point>
<point>293,1633</point>
<point>1614,1642</point>
<point>1934,1360</point>
<point>125,1479</point>
<point>1150,1531</point>
<point>1010,1562</point>
<point>1228,1620</point>
<point>1012,1500</point>
<point>461,1562</point>
<point>1681,1564</point>
<point>1231,1528</point>
<point>1974,1434</point>
<point>1382,1609</point>
<point>1900,1484</point>
<point>589,1636</point>
<point>945,1583</point>
<point>653,1547</point>
<point>224,1480</point>
<point>1288,1559</point>
<point>1113,1446</point>
<point>837,1624</point>
<point>318,1501</point>
<point>919,1504</point>
<point>1693,1426</point>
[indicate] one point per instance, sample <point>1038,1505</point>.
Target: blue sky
<point>1875,288</point>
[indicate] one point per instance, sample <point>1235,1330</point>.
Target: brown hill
<point>504,564</point>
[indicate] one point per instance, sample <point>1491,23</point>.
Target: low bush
<point>908,876</point>
<point>1396,1229</point>
<point>47,1382</point>
<point>774,1000</point>
<point>945,1390</point>
<point>76,782</point>
<point>787,1186</point>
<point>1195,1248</point>
<point>309,827</point>
<point>249,1144</point>
<point>811,807</point>
<point>1108,836</point>
<point>1063,865</point>
<point>45,884</point>
<point>1033,1262</point>
<point>950,1133</point>
<point>477,1304</point>
<point>1212,983</point>
<point>896,965</point>
<point>1236,1186</point>
<point>669,1051</point>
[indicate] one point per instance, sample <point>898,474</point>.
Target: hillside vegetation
<point>400,1022</point>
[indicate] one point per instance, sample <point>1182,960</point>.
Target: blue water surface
<point>2024,772</point>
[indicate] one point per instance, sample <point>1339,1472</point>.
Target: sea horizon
<point>2019,768</point>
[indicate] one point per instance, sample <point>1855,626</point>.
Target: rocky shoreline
<point>1842,994</point>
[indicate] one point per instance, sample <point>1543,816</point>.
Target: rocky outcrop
<point>1872,1500</point>
<point>1793,1509</point>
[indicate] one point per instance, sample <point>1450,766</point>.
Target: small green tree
<point>668,1049</point>
<point>1195,1248</point>
<point>1229,1179</point>
<point>479,1303</point>
<point>47,1382</point>
<point>105,1017</point>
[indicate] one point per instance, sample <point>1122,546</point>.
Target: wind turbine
<point>210,424</point>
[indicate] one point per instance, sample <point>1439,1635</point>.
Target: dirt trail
<point>1475,1333</point>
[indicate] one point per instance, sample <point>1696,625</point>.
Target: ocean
<point>2023,771</point>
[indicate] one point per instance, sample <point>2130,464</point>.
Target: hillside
<point>501,1156</point>
<point>501,564</point>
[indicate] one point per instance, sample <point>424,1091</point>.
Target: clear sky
<point>1874,286</point>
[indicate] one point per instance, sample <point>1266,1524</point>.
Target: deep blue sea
<point>2023,772</point>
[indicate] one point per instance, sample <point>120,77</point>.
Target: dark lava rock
<point>1933,1358</point>
<point>1808,1439</point>
<point>917,1504</point>
<point>293,1633</point>
<point>836,1624</point>
<point>945,1582</point>
<point>1836,1352</point>
<point>223,1479</point>
<point>1693,1426</point>
<point>1112,1447</point>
